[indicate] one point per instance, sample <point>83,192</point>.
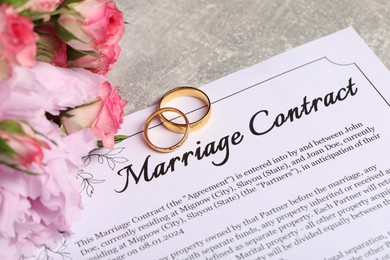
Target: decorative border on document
<point>46,253</point>
<point>278,75</point>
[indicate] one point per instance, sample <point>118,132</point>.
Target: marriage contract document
<point>294,163</point>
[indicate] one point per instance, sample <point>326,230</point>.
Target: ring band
<point>185,91</point>
<point>173,147</point>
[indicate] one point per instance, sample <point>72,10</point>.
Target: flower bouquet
<point>56,105</point>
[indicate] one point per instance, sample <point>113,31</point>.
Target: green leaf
<point>64,34</point>
<point>88,104</point>
<point>33,16</point>
<point>120,138</point>
<point>5,149</point>
<point>117,139</point>
<point>73,54</point>
<point>11,127</point>
<point>68,2</point>
<point>63,129</point>
<point>42,54</point>
<point>67,115</point>
<point>100,144</point>
<point>14,3</point>
<point>19,169</point>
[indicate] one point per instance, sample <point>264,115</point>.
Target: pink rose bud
<point>19,144</point>
<point>41,6</point>
<point>93,29</point>
<point>50,48</point>
<point>103,116</point>
<point>17,41</point>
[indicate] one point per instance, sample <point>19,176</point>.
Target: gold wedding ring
<point>185,91</point>
<point>185,128</point>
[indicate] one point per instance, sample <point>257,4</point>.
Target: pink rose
<point>17,41</point>
<point>110,117</point>
<point>19,144</point>
<point>93,29</point>
<point>103,116</point>
<point>50,48</point>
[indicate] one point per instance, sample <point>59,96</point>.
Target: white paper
<point>314,186</point>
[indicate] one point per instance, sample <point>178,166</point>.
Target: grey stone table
<point>170,43</point>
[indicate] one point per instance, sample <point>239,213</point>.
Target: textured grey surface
<point>170,43</point>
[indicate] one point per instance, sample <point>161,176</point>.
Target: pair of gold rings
<point>181,128</point>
